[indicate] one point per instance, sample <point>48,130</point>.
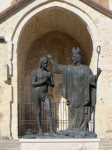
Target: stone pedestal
<point>59,144</point>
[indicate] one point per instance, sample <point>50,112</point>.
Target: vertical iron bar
<point>52,114</point>
<point>61,119</point>
<point>36,121</point>
<point>21,119</point>
<point>31,117</point>
<point>29,114</point>
<point>91,122</point>
<point>66,115</point>
<point>43,117</point>
<point>55,119</point>
<point>26,116</point>
<point>20,126</point>
<point>63,114</point>
<point>18,120</point>
<point>58,116</point>
<point>47,124</point>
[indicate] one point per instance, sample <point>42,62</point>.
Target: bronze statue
<point>79,88</point>
<point>41,79</point>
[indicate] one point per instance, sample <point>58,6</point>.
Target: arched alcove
<point>56,30</point>
<point>52,21</point>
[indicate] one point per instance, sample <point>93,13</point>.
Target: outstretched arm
<point>50,57</point>
<point>56,67</point>
<point>36,83</point>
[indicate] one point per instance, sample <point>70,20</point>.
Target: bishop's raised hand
<point>48,55</point>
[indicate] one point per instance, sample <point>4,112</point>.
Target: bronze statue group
<point>78,88</point>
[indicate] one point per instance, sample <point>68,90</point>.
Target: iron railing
<point>27,118</point>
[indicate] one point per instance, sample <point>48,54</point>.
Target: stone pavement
<point>10,145</point>
<point>105,144</point>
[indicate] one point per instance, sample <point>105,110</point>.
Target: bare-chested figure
<point>41,78</point>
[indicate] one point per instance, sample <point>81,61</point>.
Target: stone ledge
<point>58,140</point>
<point>54,144</point>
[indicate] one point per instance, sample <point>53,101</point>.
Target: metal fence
<point>27,118</point>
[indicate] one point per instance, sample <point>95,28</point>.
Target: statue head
<point>76,55</point>
<point>43,62</point>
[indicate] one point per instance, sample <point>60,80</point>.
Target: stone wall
<point>104,3</point>
<point>4,101</point>
<point>13,29</point>
<point>13,1</point>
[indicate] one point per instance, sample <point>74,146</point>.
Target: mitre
<point>76,52</point>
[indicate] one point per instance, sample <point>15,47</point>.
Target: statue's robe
<point>79,88</point>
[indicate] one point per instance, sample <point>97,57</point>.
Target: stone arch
<point>86,21</point>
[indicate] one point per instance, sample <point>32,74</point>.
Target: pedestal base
<point>59,144</point>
